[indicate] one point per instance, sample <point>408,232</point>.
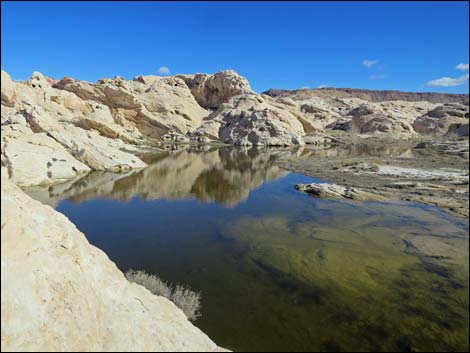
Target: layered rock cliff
<point>374,96</point>
<point>102,126</point>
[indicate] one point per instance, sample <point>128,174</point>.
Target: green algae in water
<point>352,288</point>
<point>277,269</point>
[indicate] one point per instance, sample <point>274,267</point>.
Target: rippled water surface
<point>277,269</point>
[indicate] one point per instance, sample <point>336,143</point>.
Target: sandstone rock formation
<point>395,119</point>
<point>440,119</point>
<point>59,293</point>
<point>153,105</point>
<point>334,191</point>
<point>59,119</point>
<point>211,91</point>
<point>36,159</point>
<point>105,125</point>
<point>253,120</point>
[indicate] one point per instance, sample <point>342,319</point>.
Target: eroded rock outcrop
<point>440,119</point>
<point>381,113</point>
<point>153,105</point>
<point>59,293</point>
<point>390,118</point>
<point>211,91</point>
<point>58,118</point>
<point>37,159</point>
<point>253,120</point>
<point>105,124</point>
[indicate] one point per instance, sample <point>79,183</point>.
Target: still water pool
<point>279,270</point>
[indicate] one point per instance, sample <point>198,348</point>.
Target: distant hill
<point>371,95</point>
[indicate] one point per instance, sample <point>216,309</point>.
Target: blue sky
<point>411,46</point>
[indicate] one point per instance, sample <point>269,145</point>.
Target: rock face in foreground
<point>59,293</point>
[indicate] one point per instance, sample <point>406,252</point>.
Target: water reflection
<point>222,175</point>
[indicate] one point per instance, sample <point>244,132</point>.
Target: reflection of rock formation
<point>225,176</point>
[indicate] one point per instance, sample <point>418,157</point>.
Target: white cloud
<point>323,86</point>
<point>448,81</point>
<point>463,67</point>
<point>369,63</point>
<point>377,77</point>
<point>163,70</point>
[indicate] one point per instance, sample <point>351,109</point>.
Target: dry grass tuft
<point>183,297</point>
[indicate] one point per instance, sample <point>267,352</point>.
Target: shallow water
<point>279,270</point>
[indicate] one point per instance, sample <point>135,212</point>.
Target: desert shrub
<point>187,300</point>
<point>183,297</point>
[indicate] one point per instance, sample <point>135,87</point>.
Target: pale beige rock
<point>334,191</point>
<point>381,124</point>
<point>96,151</point>
<point>89,147</point>
<point>252,120</point>
<point>8,91</point>
<point>390,118</point>
<point>102,120</point>
<point>36,159</point>
<point>440,119</point>
<point>211,91</point>
<point>319,112</point>
<point>59,293</point>
<point>159,104</point>
<point>361,117</point>
<point>366,109</point>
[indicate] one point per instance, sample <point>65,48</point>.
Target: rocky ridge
<point>104,125</point>
<point>375,96</point>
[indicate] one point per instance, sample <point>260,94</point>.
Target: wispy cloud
<point>369,63</point>
<point>463,67</point>
<point>323,86</point>
<point>377,77</point>
<point>448,81</point>
<point>163,70</point>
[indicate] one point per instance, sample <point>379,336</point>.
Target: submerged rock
<point>333,191</point>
